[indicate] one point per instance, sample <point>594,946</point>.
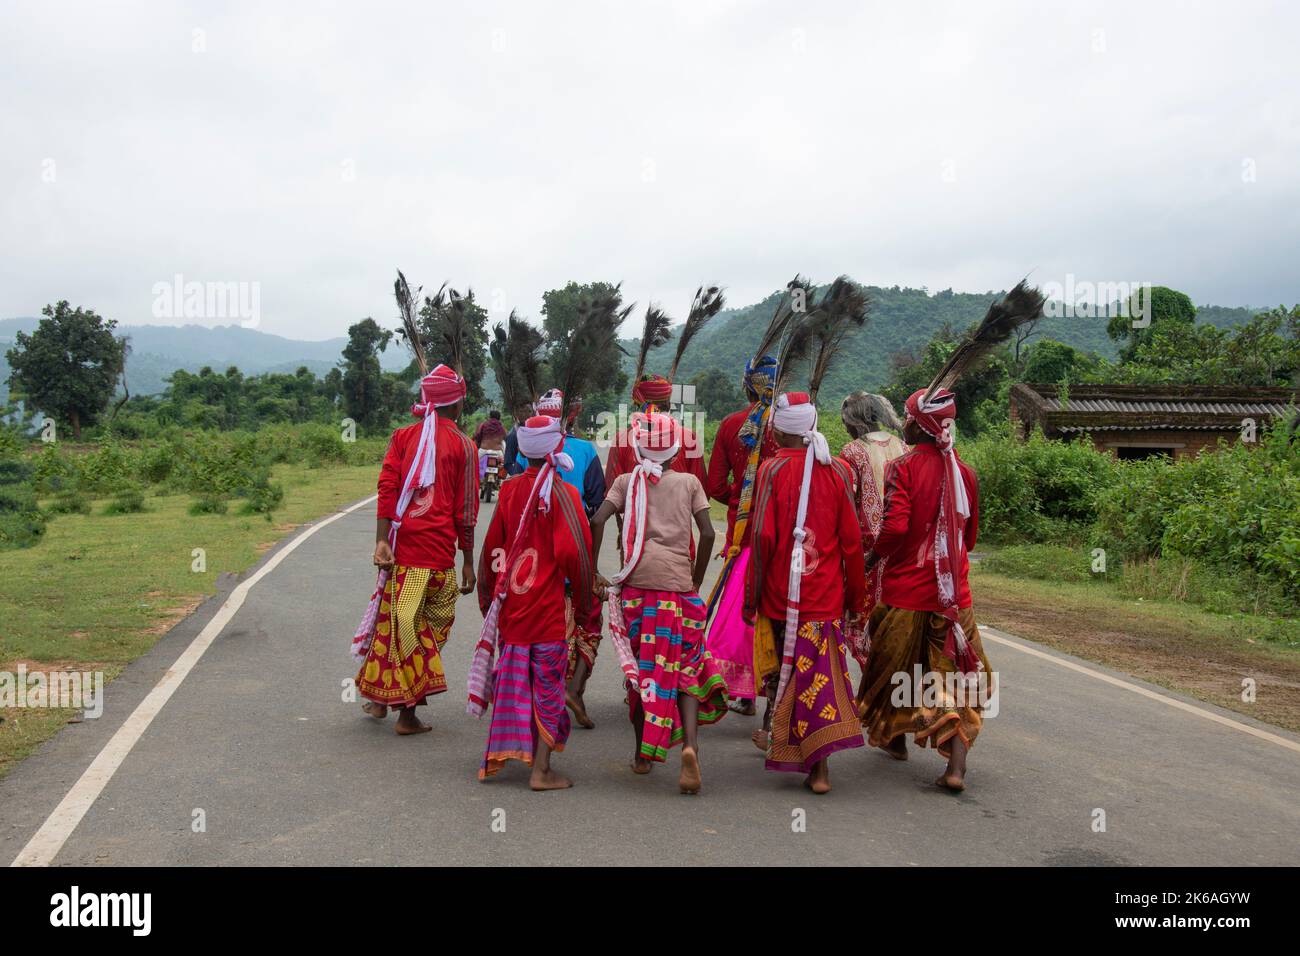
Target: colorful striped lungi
<point>906,642</point>
<point>818,714</point>
<point>527,704</point>
<point>666,632</point>
<point>404,663</point>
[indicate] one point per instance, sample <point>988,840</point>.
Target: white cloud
<point>516,146</point>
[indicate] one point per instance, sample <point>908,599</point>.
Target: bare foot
<point>897,748</point>
<point>641,764</point>
<point>743,707</point>
<point>951,780</point>
<point>819,780</point>
<point>378,711</point>
<point>761,739</point>
<point>408,723</point>
<point>575,703</point>
<point>549,780</point>
<point>689,781</point>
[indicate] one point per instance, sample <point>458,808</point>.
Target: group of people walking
<point>860,555</point>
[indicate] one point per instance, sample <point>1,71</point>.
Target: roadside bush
<point>1038,490</point>
<point>127,500</point>
<point>156,462</point>
<point>12,439</point>
<point>209,504</point>
<point>1237,509</point>
<point>131,427</point>
<point>1008,510</point>
<point>1068,478</point>
<point>322,445</point>
<point>218,463</point>
<point>70,501</point>
<point>262,497</point>
<point>14,471</point>
<point>52,470</point>
<point>21,520</point>
<point>105,469</point>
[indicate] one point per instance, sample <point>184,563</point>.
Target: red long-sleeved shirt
<point>689,458</point>
<point>834,577</point>
<point>557,547</point>
<point>906,535</point>
<point>441,519</point>
<point>727,466</point>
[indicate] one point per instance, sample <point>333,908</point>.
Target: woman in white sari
<point>871,422</point>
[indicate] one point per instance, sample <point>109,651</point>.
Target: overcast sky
<point>313,148</point>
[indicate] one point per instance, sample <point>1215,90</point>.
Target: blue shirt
<point>587,475</point>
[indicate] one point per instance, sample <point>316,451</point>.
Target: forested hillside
<point>900,320</point>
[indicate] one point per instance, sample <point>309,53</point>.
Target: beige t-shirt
<point>672,504</point>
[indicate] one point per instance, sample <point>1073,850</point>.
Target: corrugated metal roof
<point>1053,404</point>
<point>1184,426</point>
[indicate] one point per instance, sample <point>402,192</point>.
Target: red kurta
<point>622,459</point>
<point>439,520</point>
<point>834,579</point>
<point>558,547</point>
<point>727,467</point>
<point>907,533</point>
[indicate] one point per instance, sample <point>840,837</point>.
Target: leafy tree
<point>717,393</point>
<point>1168,307</point>
<point>560,310</point>
<point>69,366</point>
<point>365,398</point>
<point>331,386</point>
<point>981,398</point>
<point>1264,351</point>
<point>1051,362</point>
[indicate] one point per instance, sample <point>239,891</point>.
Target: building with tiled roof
<point>1137,421</point>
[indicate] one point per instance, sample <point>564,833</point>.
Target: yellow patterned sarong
<point>905,644</point>
<point>416,612</point>
<point>767,659</point>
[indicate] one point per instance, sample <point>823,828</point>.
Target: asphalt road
<point>258,743</point>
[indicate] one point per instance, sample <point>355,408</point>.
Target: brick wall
<point>1183,444</point>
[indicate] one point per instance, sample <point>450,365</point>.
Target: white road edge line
<point>1142,691</point>
<point>46,843</point>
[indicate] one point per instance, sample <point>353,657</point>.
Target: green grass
<point>1178,646</point>
<point>1138,623</point>
<point>1228,601</point>
<point>100,589</point>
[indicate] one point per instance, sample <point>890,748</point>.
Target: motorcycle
<point>494,472</point>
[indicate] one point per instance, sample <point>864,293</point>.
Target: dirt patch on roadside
<point>171,616</point>
<point>45,667</point>
<point>1157,651</point>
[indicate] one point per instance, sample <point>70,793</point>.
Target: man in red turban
<point>427,508</point>
<point>653,393</point>
<point>805,578</point>
<point>930,522</point>
<point>583,473</point>
<point>538,540</point>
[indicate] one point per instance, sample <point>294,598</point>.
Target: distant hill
<point>900,319</point>
<point>159,350</point>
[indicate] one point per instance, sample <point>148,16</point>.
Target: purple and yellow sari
<point>817,715</point>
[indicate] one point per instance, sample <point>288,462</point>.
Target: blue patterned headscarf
<point>760,387</point>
